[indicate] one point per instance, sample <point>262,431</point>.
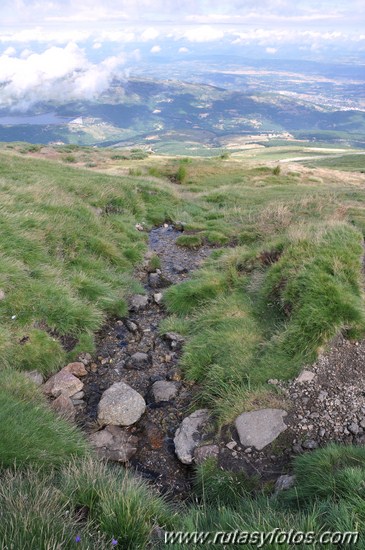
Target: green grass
<point>190,241</point>
<point>41,511</point>
<point>31,433</point>
<point>34,515</point>
<point>261,308</point>
<point>122,506</point>
<point>262,312</point>
<point>351,163</point>
<point>68,246</point>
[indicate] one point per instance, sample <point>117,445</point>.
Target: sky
<point>75,48</point>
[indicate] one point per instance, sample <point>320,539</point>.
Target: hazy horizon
<point>74,49</point>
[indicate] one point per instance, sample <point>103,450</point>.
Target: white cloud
<point>155,49</point>
<point>97,45</point>
<point>149,34</point>
<point>24,54</point>
<point>183,50</point>
<point>57,73</point>
<point>271,51</point>
<point>204,33</point>
<point>10,51</point>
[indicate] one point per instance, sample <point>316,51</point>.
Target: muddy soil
<point>155,458</point>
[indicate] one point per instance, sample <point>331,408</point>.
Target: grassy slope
<point>68,245</point>
<point>262,307</point>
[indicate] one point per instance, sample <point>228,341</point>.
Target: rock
<point>231,445</point>
<point>138,302</point>
<point>188,435</point>
<point>260,428</point>
<point>138,361</point>
<point>284,482</point>
<point>297,449</point>
<point>120,405</point>
<point>154,280</point>
<point>362,423</point>
<point>85,358</point>
<point>63,382</point>
<point>132,327</point>
<point>139,227</point>
<point>322,395</point>
<point>310,444</point>
<point>273,381</point>
<point>361,440</point>
<point>2,295</point>
<point>35,377</point>
<point>77,369</point>
<point>158,297</point>
<point>305,376</point>
<point>77,401</point>
<point>78,395</point>
<point>175,340</point>
<point>354,428</point>
<point>164,391</point>
<point>179,269</point>
<point>63,406</point>
<point>112,443</point>
<point>174,374</point>
<point>206,451</point>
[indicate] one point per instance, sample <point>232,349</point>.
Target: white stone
<point>260,428</point>
<point>120,405</point>
<point>305,376</point>
<point>188,435</point>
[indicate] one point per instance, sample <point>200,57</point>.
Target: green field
<point>351,163</point>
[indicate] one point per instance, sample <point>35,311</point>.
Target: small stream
<point>155,458</point>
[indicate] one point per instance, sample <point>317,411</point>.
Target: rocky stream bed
<point>136,408</point>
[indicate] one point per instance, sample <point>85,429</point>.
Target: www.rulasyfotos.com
<point>260,538</point>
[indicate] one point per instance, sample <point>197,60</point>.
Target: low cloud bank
<point>53,75</point>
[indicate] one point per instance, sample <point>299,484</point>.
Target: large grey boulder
<point>112,443</point>
<point>189,435</point>
<point>120,405</point>
<point>260,428</point>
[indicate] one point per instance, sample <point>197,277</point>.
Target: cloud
<point>203,33</point>
<point>183,50</point>
<point>10,51</point>
<point>57,73</point>
<point>155,49</point>
<point>149,34</point>
<point>271,51</point>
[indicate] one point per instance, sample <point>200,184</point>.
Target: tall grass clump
<point>122,506</point>
<point>34,515</point>
<point>316,286</point>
